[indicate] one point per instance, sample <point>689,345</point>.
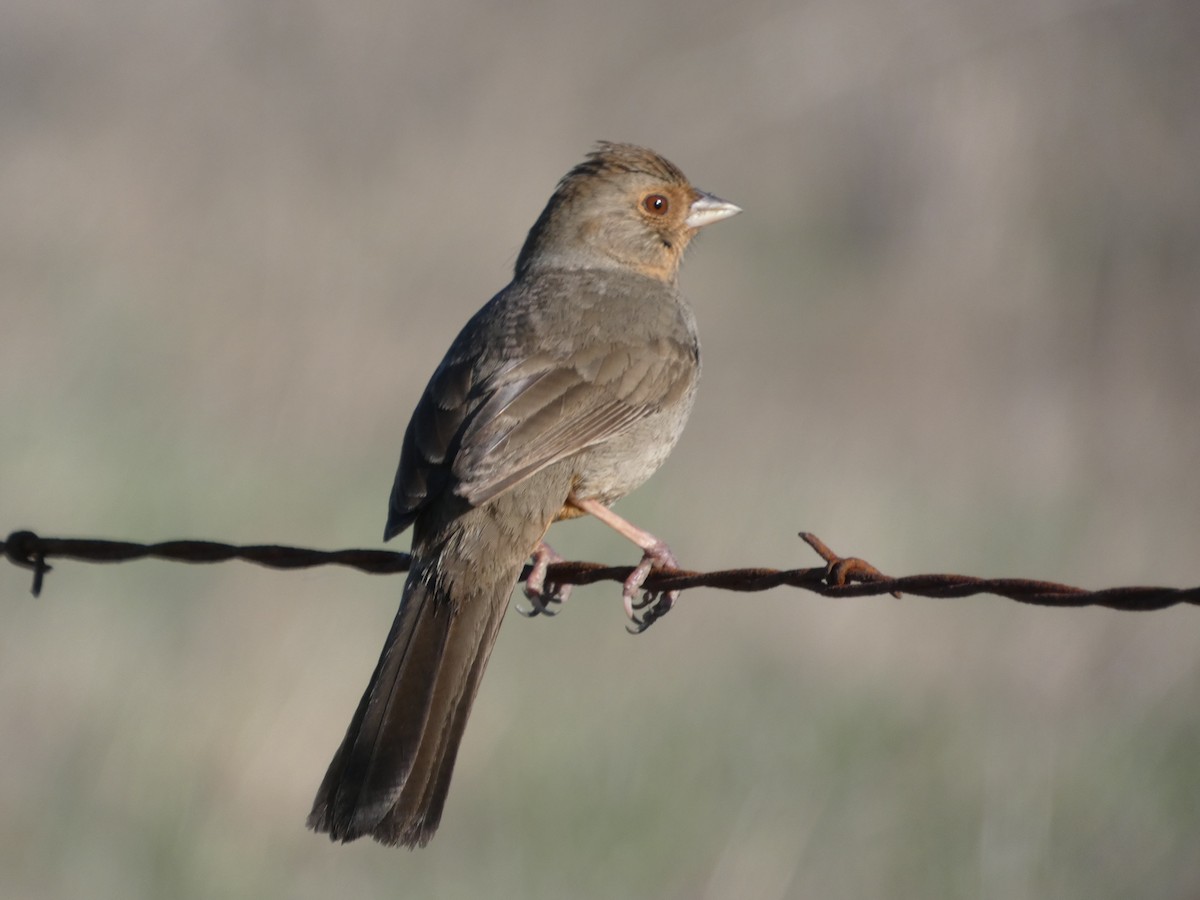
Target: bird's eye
<point>655,204</point>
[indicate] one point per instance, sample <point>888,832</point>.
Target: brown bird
<point>561,395</point>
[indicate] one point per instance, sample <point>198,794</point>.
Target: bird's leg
<point>541,594</point>
<point>654,553</point>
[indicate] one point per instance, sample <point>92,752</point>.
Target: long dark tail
<point>390,776</point>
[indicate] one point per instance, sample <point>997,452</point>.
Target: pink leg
<point>540,594</point>
<point>654,553</point>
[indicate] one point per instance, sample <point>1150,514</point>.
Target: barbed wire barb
<point>838,577</point>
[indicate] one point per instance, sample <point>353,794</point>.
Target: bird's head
<point>623,207</point>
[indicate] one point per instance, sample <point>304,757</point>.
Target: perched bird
<point>566,391</point>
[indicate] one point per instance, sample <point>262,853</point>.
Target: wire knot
<point>23,548</point>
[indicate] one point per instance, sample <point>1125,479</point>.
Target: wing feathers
<point>484,425</point>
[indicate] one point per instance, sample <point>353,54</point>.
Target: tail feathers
<point>390,776</point>
<point>415,817</point>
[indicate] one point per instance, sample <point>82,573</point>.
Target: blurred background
<point>956,329</point>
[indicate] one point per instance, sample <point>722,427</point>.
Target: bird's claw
<point>542,595</point>
<point>654,604</point>
<point>649,598</point>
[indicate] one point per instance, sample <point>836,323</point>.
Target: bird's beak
<point>707,209</point>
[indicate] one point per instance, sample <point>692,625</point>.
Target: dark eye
<point>655,204</point>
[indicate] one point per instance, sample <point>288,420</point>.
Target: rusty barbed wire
<point>838,577</point>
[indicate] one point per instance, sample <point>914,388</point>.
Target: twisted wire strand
<point>838,577</point>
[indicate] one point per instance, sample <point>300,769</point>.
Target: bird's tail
<point>390,776</point>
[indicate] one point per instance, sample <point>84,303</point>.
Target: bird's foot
<point>654,604</point>
<point>542,594</point>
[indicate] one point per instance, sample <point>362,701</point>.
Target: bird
<point>563,393</point>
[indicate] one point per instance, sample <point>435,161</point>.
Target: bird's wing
<point>431,441</point>
<point>545,410</point>
<point>480,439</point>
